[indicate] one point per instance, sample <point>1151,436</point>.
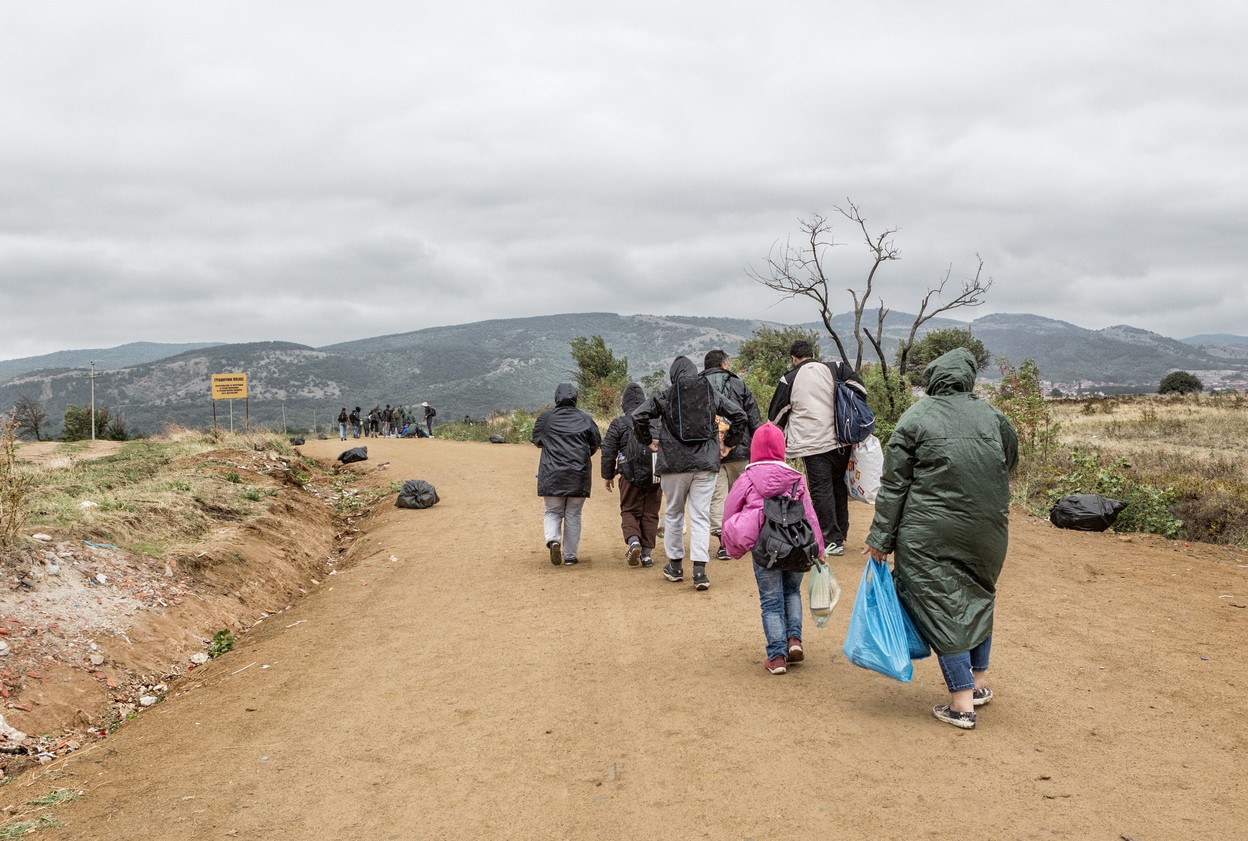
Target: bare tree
<point>29,416</point>
<point>973,291</point>
<point>800,271</point>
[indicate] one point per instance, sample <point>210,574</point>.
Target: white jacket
<point>808,418</point>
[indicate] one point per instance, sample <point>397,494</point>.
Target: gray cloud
<point>320,172</point>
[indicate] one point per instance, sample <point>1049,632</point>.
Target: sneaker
<point>721,554</point>
<point>647,561</point>
<point>571,562</point>
<point>633,555</point>
<point>835,548</point>
<point>981,696</point>
<point>700,580</point>
<point>673,572</point>
<point>777,665</point>
<point>796,655</point>
<point>964,720</point>
<point>556,552</point>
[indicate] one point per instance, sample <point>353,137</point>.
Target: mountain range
<point>473,369</point>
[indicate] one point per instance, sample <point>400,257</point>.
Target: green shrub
<point>222,641</point>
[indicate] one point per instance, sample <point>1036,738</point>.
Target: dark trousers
<point>639,511</point>
<point>825,474</point>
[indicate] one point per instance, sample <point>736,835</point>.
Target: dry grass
<point>15,485</point>
<point>1194,446</point>
<point>1204,435</point>
<point>152,495</point>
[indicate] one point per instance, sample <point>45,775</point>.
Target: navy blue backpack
<point>854,419</point>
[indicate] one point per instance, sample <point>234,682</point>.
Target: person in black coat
<point>568,438</point>
<point>640,491</point>
<point>688,468</point>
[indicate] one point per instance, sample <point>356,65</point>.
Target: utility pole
<point>93,399</point>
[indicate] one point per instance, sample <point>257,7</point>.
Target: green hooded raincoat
<point>943,505</point>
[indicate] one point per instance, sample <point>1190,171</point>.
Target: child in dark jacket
<point>779,591</point>
<point>640,491</point>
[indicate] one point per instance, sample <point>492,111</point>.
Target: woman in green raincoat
<point>942,510</point>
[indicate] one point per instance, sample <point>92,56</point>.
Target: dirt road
<point>452,684</point>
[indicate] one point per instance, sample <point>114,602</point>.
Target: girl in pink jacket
<point>779,591</point>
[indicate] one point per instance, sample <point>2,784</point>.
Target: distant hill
<point>1221,345</point>
<point>106,359</point>
<point>1120,355</point>
<point>1216,339</point>
<point>473,369</point>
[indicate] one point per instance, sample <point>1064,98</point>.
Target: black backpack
<point>786,541</point>
<point>636,462</point>
<point>690,415</point>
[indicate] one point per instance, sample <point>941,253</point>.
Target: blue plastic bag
<point>877,628</point>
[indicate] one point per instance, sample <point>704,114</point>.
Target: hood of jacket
<point>767,444</point>
<point>565,394</point>
<point>682,366</point>
<point>952,372</point>
<point>634,395</point>
<point>767,470</point>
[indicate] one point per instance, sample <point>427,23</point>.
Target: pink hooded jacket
<point>767,476</point>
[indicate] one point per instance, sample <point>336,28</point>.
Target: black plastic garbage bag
<point>497,439</point>
<point>416,493</point>
<point>1085,512</point>
<point>298,440</point>
<point>354,454</point>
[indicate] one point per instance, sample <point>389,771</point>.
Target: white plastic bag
<point>866,466</point>
<point>824,592</point>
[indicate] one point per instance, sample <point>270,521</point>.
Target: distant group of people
<point>388,422</point>
<point>941,509</point>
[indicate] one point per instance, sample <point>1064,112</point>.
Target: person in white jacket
<point>804,406</point>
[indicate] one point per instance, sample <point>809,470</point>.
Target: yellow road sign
<point>229,386</point>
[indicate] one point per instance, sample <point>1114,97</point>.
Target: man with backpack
<point>430,414</point>
<point>640,491</point>
<point>356,422</point>
<point>805,407</point>
<point>732,459</point>
<point>688,447</point>
<point>343,418</point>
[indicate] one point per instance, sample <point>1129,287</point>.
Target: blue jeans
<point>957,668</point>
<point>780,597</point>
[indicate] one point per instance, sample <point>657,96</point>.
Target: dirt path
<point>453,684</point>
<point>41,452</point>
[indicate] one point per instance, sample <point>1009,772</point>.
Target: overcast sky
<point>320,172</point>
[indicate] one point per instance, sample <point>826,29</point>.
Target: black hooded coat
<point>568,438</point>
<point>621,452</point>
<point>676,456</point>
